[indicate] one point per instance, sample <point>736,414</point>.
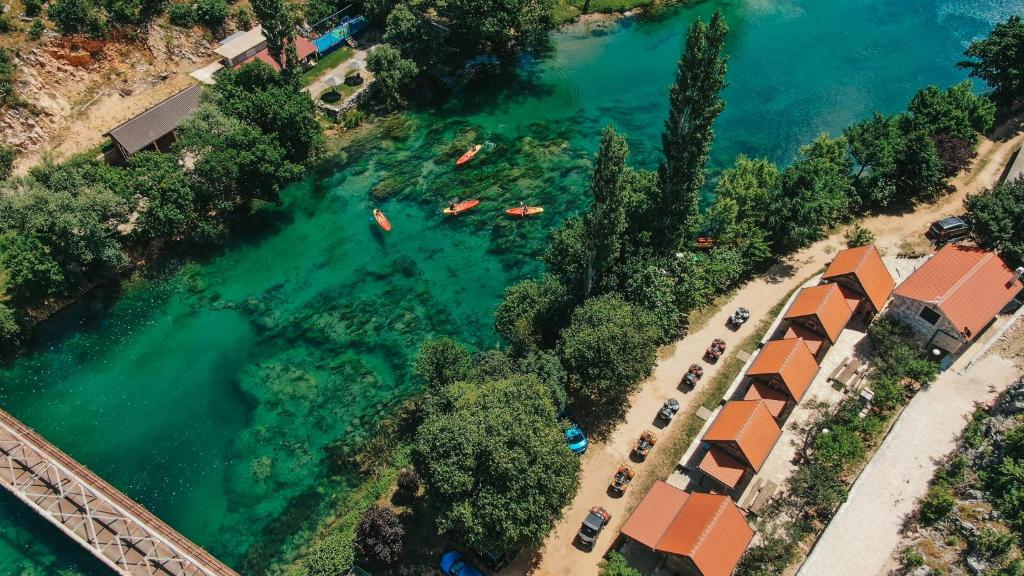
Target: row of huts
<point>948,301</point>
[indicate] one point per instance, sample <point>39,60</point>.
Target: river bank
<point>297,336</point>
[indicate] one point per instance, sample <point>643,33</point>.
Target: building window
<point>930,316</point>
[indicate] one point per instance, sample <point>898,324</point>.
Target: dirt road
<point>558,556</point>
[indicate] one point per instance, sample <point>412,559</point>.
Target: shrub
<point>71,16</point>
<point>993,542</point>
<point>35,31</point>
<point>33,8</point>
<point>937,504</point>
<point>912,558</point>
<point>408,481</point>
<point>616,565</point>
<point>183,15</point>
<point>353,117</point>
<point>243,17</point>
<point>6,26</point>
<point>6,162</point>
<point>379,535</point>
<point>211,13</point>
<point>10,332</point>
<point>858,236</point>
<point>331,556</point>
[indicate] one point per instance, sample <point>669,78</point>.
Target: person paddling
<point>523,208</point>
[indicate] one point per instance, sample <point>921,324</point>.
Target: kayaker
<point>523,208</point>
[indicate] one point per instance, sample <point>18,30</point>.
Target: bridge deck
<point>114,528</point>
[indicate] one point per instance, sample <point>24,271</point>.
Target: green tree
<point>694,104</point>
<point>876,145</point>
<point>71,16</point>
<point>817,190</point>
<point>998,59</point>
<point>33,8</point>
<point>998,216</point>
<point>394,75</point>
<point>170,211</point>
<point>442,361</point>
<point>956,111</point>
<point>29,274</point>
<point>36,30</point>
<point>278,26</point>
<point>607,349</point>
<point>548,369</point>
<point>617,565</point>
<point>7,70</point>
<point>500,27</point>
<point>6,162</point>
<point>495,465</point>
<point>212,13</point>
<point>532,313</point>
<point>702,275</point>
<point>937,504</point>
<point>10,331</point>
<point>646,285</point>
<point>183,14</point>
<point>858,235</point>
<point>414,36</point>
<point>331,556</point>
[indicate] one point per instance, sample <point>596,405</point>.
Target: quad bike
<point>693,375</point>
<point>716,350</point>
<point>739,317</point>
<point>668,409</point>
<point>643,446</point>
<point>623,476</point>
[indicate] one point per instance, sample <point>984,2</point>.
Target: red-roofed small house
<point>781,374</point>
<point>739,441</point>
<point>954,296</point>
<point>861,269</point>
<point>697,534</point>
<point>819,314</point>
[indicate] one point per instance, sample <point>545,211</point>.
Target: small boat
<point>469,155</point>
<point>381,219</point>
<point>460,207</point>
<point>524,211</point>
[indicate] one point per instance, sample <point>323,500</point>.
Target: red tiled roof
<point>774,399</point>
<point>718,464</point>
<point>711,530</point>
<point>864,264</point>
<point>969,285</point>
<point>827,305</point>
<point>791,360</point>
<point>812,340</point>
<point>303,48</point>
<point>749,425</point>
<point>654,514</point>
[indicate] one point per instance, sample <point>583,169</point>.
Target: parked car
<point>947,229</point>
<point>644,444</point>
<point>576,439</point>
<point>668,409</point>
<point>595,521</point>
<point>452,564</point>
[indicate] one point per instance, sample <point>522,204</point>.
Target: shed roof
<point>711,530</point>
<point>748,424</point>
<point>866,266</point>
<point>655,512</point>
<point>239,43</point>
<point>791,360</point>
<point>718,464</point>
<point>303,48</point>
<point>774,399</point>
<point>151,125</point>
<point>828,306</point>
<point>969,285</point>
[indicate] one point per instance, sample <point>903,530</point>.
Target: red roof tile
<point>654,514</point>
<point>791,360</point>
<point>749,425</point>
<point>826,304</point>
<point>969,285</point>
<point>866,266</point>
<point>718,464</point>
<point>711,530</point>
<point>773,399</point>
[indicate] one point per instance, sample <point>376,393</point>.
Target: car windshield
<point>586,530</point>
<point>573,435</point>
<point>457,567</point>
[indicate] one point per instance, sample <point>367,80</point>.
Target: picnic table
<point>844,373</point>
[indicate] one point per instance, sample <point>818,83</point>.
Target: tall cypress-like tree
<point>585,249</point>
<point>694,104</point>
<point>278,28</point>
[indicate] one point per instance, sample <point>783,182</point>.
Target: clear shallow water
<point>211,395</point>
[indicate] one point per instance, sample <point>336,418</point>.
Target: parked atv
<point>643,446</point>
<point>693,375</point>
<point>715,351</point>
<point>668,409</point>
<point>623,476</point>
<point>739,317</point>
<point>592,526</point>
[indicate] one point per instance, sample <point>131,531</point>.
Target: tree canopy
<point>394,75</point>
<point>998,217</point>
<point>998,59</point>
<point>494,463</point>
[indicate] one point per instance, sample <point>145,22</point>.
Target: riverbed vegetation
<point>68,227</point>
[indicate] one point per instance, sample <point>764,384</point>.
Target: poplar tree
<point>694,104</point>
<point>278,28</point>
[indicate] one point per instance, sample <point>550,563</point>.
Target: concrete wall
<point>908,311</point>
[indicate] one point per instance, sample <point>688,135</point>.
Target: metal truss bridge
<point>114,528</point>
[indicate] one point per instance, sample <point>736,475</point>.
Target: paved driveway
<point>866,530</point>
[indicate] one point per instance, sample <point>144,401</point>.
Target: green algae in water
<point>211,395</point>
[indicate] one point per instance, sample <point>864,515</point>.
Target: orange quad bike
<point>622,478</point>
<point>644,444</point>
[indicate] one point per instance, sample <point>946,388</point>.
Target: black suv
<point>948,229</point>
<point>592,526</point>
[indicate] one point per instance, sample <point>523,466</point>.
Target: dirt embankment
<point>75,89</point>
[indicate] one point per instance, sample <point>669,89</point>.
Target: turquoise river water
<point>211,393</point>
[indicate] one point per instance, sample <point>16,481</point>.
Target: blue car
<point>452,564</point>
<point>576,439</point>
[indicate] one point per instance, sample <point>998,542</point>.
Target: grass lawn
<point>344,90</point>
<point>326,63</point>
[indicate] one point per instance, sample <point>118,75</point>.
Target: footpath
<point>557,556</point>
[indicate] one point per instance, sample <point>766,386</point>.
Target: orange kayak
<point>468,155</point>
<point>522,212</point>
<point>460,207</point>
<point>382,220</point>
